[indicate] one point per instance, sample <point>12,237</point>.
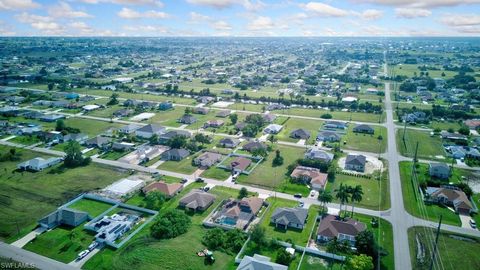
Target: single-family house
<point>38,164</point>
<point>77,137</point>
<point>304,174</point>
<point>300,134</point>
<point>450,196</point>
<point>335,125</point>
<point>200,110</point>
<point>64,216</point>
<point>317,154</point>
<point>239,164</point>
<point>99,142</point>
<point>273,129</point>
<point>268,117</point>
<point>150,130</point>
<point>187,119</point>
<point>214,123</point>
<point>129,129</point>
<point>362,128</point>
<point>51,117</point>
<point>169,190</point>
<point>229,142</point>
<point>164,106</point>
<point>175,154</point>
<point>163,138</point>
<point>439,170</point>
<point>197,200</point>
<point>343,229</point>
<point>285,217</point>
<point>355,163</point>
<point>328,136</point>
<point>258,262</point>
<point>207,159</point>
<point>253,145</point>
<point>223,113</point>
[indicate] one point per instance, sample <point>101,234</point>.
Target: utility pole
<point>416,152</point>
<point>436,243</point>
<point>404,131</point>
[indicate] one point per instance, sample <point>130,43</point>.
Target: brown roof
<point>167,189</point>
<point>254,203</point>
<point>458,198</point>
<point>330,226</point>
<point>314,174</point>
<point>241,163</point>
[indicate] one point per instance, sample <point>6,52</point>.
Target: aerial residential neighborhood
<point>243,135</point>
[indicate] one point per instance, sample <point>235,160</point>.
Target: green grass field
<point>375,192</point>
<point>454,251</point>
<point>144,252</point>
<point>90,127</point>
<point>183,166</point>
<point>26,197</point>
<point>414,204</point>
<point>216,173</point>
<point>268,176</point>
<point>428,147</point>
<point>92,207</point>
<point>296,123</point>
<point>366,142</point>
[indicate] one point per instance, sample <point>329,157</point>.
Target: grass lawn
<point>92,207</point>
<point>268,176</point>
<point>414,203</point>
<point>316,263</point>
<point>298,237</point>
<point>26,197</point>
<point>144,252</point>
<point>62,243</point>
<point>296,123</point>
<point>90,127</point>
<point>114,155</point>
<point>428,147</point>
<point>375,192</point>
<point>25,140</point>
<point>455,251</point>
<point>366,142</point>
<point>476,199</point>
<point>216,173</point>
<point>183,166</point>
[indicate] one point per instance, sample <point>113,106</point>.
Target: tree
<point>229,241</point>
<point>325,196</point>
<point>278,159</point>
<point>214,238</point>
<point>283,257</point>
<point>177,142</point>
<point>113,99</point>
<point>365,243</point>
<point>153,140</point>
<point>188,110</point>
<point>464,130</point>
<point>356,195</point>
<point>408,87</point>
<point>60,125</point>
<point>272,139</point>
<point>74,156</point>
<point>360,262</point>
<point>233,118</point>
<point>202,138</point>
<point>242,193</point>
<point>154,200</point>
<point>170,225</point>
<point>51,86</point>
<point>259,152</point>
<point>257,235</point>
<point>342,194</point>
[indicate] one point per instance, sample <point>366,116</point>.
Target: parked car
<point>298,195</point>
<point>199,180</point>
<point>301,204</point>
<point>184,180</point>
<point>473,224</point>
<point>312,193</point>
<point>82,254</point>
<point>92,246</point>
<point>206,189</point>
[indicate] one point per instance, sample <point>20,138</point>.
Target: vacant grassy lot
<point>182,166</point>
<point>429,147</point>
<point>366,142</point>
<point>92,207</point>
<point>90,127</point>
<point>296,123</point>
<point>25,196</point>
<point>412,70</point>
<point>455,251</point>
<point>299,237</point>
<point>414,203</point>
<point>268,176</point>
<point>375,192</point>
<point>145,252</point>
<point>216,173</point>
<point>62,243</point>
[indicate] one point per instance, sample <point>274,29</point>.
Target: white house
<point>273,129</point>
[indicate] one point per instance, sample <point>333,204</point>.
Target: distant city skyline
<point>239,18</point>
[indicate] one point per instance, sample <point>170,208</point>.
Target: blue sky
<point>239,18</point>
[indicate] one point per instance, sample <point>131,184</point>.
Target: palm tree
<point>325,196</point>
<point>356,195</point>
<point>342,194</point>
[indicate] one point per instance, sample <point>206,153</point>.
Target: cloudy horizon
<point>240,18</point>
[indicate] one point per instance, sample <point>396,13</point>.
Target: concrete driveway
<point>465,221</point>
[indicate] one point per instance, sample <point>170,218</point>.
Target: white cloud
<point>127,2</point>
<point>127,13</point>
<point>17,4</point>
<point>460,20</point>
<point>221,25</point>
<point>198,18</point>
<point>261,23</point>
<point>221,4</point>
<point>6,29</point>
<point>150,29</point>
<point>371,14</point>
<point>81,28</point>
<point>324,10</point>
<point>410,13</point>
<point>64,10</point>
<point>43,23</point>
<point>420,4</point>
